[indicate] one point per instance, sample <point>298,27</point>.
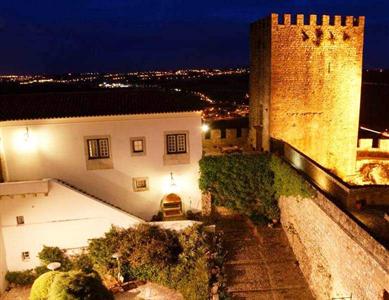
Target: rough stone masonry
<point>305,85</point>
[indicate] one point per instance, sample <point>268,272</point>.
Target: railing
<point>330,184</point>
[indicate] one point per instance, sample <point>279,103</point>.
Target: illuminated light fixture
<point>54,266</point>
<point>26,135</point>
<point>173,184</point>
<point>205,127</point>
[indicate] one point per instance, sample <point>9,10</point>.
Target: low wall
<point>367,151</point>
<point>337,257</point>
<point>347,194</point>
<point>3,265</point>
<point>231,137</point>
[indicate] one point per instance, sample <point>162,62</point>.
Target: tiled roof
<point>95,103</point>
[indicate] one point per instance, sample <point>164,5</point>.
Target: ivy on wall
<point>287,181</point>
<point>251,183</point>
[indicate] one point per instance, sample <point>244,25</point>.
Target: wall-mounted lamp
<point>26,135</point>
<point>205,127</point>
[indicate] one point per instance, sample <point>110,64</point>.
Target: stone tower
<point>305,86</point>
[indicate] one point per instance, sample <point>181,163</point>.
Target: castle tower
<point>305,86</point>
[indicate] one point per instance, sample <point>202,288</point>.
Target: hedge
<point>251,183</point>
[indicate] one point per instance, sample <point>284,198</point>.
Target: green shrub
<point>21,278</point>
<point>69,285</point>
<point>243,182</point>
<point>158,217</point>
<point>40,270</point>
<point>287,181</point>
<point>54,254</point>
<point>41,287</point>
<point>179,260</point>
<point>141,246</point>
<point>82,262</point>
<point>251,184</point>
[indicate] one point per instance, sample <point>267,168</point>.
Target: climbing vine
<point>251,183</point>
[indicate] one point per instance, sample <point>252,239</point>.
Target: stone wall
<point>366,150</point>
<point>306,87</point>
<point>337,257</point>
<point>214,141</point>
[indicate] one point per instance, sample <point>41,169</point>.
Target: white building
<point>75,163</point>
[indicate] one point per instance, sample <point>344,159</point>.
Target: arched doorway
<point>171,206</point>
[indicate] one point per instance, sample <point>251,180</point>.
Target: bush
<point>83,263</point>
<point>251,184</point>
<point>21,278</point>
<point>41,287</point>
<point>54,254</point>
<point>158,217</point>
<point>179,260</point>
<point>141,246</point>
<point>69,285</point>
<point>287,181</point>
<point>243,182</point>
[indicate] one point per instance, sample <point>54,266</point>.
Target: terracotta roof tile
<point>95,103</point>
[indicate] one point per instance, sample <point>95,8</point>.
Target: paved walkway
<point>263,267</point>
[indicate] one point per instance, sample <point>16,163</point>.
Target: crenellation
<point>338,21</point>
<point>315,20</point>
<point>325,20</point>
<point>361,21</point>
<point>274,19</point>
<point>300,20</point>
<point>312,20</point>
<point>287,19</point>
<point>349,21</point>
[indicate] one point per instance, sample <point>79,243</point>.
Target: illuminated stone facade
<point>305,85</point>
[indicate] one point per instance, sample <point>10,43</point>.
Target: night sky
<point>47,36</point>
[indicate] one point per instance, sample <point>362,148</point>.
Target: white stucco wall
<point>64,218</point>
<point>55,149</point>
<point>3,265</point>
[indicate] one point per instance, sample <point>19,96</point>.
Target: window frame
<point>20,220</point>
<point>140,189</point>
<point>100,155</point>
<point>176,142</point>
<point>26,255</point>
<point>132,146</point>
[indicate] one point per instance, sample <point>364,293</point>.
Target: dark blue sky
<point>57,36</point>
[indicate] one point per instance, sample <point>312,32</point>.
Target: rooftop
<point>95,103</point>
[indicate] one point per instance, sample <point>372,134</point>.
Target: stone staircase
<point>81,191</point>
<point>260,266</point>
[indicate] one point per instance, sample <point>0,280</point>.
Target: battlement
<point>315,20</point>
<point>366,147</point>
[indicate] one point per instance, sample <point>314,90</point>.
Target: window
<point>140,184</point>
<point>25,255</point>
<point>20,220</point>
<point>138,146</point>
<point>176,143</point>
<point>98,148</point>
<point>223,133</point>
<point>238,132</point>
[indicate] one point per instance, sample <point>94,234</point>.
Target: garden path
<point>260,266</point>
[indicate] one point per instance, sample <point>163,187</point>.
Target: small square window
<point>20,220</point>
<point>25,255</point>
<point>140,184</point>
<point>138,146</point>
